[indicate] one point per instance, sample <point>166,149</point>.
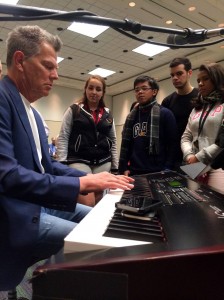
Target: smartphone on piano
<point>138,204</point>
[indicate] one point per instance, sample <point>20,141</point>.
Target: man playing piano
<point>38,206</point>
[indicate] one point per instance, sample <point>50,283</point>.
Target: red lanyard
<point>97,115</point>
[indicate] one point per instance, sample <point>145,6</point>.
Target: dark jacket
<point>89,143</point>
<point>134,154</point>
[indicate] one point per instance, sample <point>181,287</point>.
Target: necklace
<point>203,117</point>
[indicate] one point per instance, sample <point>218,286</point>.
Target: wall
<point>53,107</point>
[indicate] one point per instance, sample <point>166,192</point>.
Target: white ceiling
<point>108,52</point>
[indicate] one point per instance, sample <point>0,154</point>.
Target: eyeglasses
<point>142,88</point>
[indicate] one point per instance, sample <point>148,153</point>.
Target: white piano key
<point>88,234</point>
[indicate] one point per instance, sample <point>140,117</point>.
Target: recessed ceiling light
<point>150,50</point>
<point>87,29</point>
<point>169,22</point>
<point>221,25</point>
<point>192,8</point>
<point>131,4</point>
<point>102,72</point>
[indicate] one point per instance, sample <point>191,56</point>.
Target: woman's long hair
<point>216,74</point>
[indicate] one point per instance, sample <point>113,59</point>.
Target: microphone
<point>193,36</point>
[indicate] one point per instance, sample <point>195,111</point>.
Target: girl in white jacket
<point>198,139</point>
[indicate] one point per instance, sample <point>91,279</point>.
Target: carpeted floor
<point>25,288</point>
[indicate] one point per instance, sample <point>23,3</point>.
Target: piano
<point>186,263</point>
<point>191,216</point>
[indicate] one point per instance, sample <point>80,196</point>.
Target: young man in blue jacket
<point>149,136</point>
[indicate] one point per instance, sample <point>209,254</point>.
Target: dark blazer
<point>23,188</point>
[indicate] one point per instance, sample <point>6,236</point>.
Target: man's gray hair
<point>28,40</point>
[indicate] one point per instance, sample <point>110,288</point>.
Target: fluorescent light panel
<point>59,59</point>
<point>87,29</point>
<point>9,1</point>
<point>150,49</point>
<point>102,72</point>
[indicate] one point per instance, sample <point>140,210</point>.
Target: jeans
<point>55,225</point>
<point>92,169</point>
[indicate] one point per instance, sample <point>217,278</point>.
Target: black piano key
<point>133,234</point>
<point>137,226</point>
<point>121,226</point>
<point>139,223</point>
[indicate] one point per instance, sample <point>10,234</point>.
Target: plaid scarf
<point>152,130</point>
<point>214,97</point>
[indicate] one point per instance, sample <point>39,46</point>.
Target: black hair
<point>181,61</point>
<point>216,74</point>
<point>151,81</point>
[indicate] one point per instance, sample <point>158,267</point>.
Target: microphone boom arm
<point>35,13</point>
<point>25,13</point>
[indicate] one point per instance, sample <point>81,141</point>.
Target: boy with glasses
<point>149,134</point>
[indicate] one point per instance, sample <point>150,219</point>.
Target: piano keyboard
<point>88,234</point>
<point>191,216</point>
